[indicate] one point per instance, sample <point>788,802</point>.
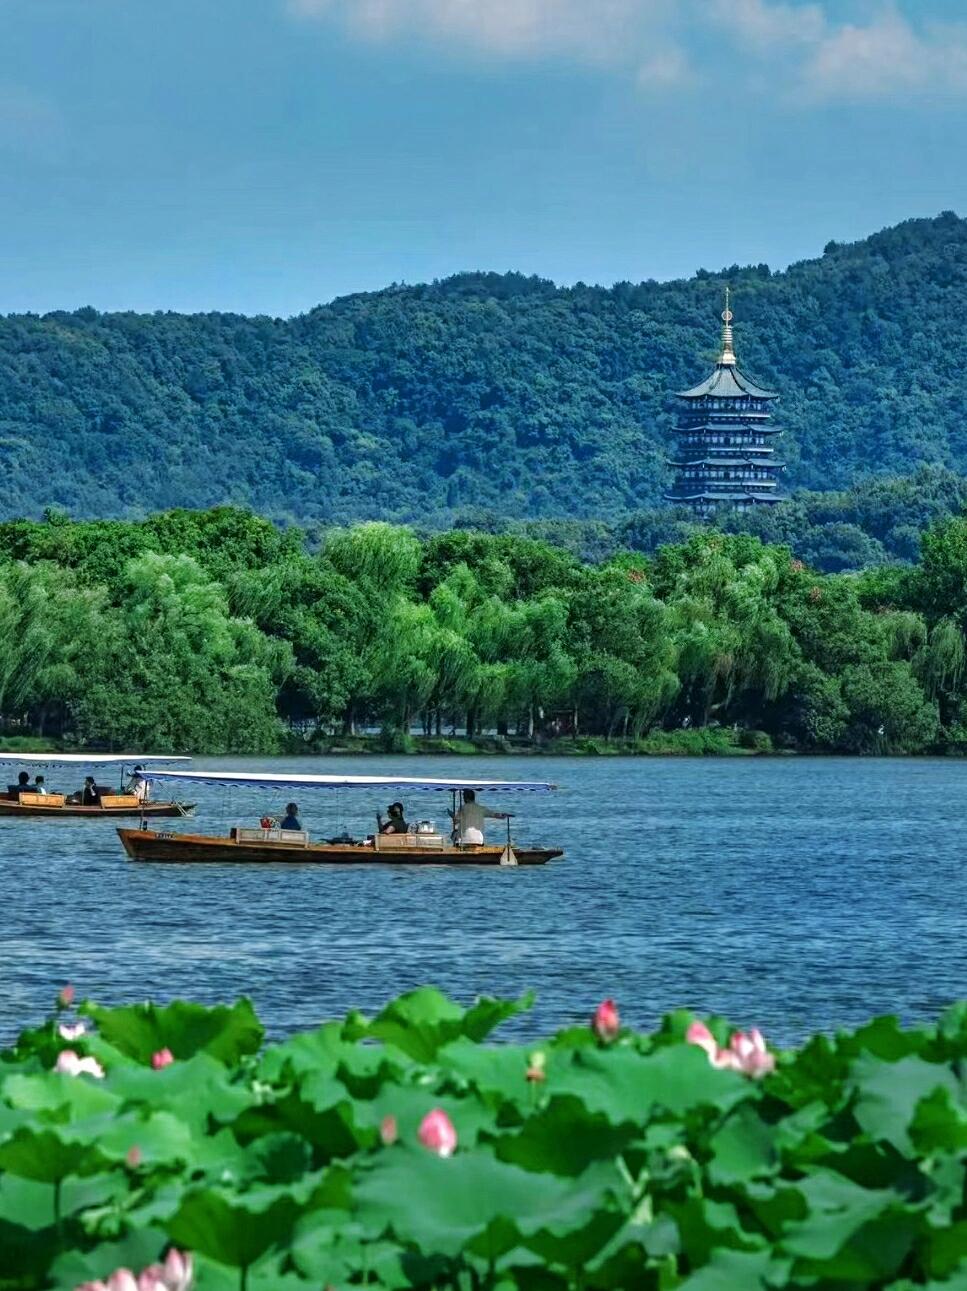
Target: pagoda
<point>724,457</point>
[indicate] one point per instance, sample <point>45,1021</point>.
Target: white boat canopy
<point>84,759</point>
<point>292,780</point>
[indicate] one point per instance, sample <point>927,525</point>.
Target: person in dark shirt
<point>90,794</point>
<point>291,819</point>
<point>396,823</point>
<point>22,785</point>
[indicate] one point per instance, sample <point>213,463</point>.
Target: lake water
<point>796,894</point>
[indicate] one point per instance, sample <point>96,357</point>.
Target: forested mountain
<point>485,390</point>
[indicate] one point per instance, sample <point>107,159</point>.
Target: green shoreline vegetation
<point>217,632</point>
<point>407,1150</point>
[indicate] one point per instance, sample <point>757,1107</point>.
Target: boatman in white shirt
<point>468,819</point>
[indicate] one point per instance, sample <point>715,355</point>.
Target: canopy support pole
<point>507,856</point>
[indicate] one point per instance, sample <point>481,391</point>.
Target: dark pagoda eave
<point>718,427</point>
<point>723,497</point>
<point>717,463</point>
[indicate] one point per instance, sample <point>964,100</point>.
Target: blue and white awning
<point>293,780</point>
<point>85,759</point>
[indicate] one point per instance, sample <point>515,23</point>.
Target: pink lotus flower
<point>606,1022</point>
<point>437,1133</point>
<point>747,1053</point>
<point>174,1275</point>
<point>388,1130</point>
<point>754,1059</point>
<point>70,1064</point>
<point>163,1058</point>
<point>71,1031</point>
<point>66,997</point>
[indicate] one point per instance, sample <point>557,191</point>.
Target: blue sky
<point>265,155</point>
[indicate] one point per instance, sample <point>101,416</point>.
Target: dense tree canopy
<point>490,390</point>
<point>217,632</point>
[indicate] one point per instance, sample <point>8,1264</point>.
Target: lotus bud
<point>163,1058</point>
<point>606,1022</point>
<point>66,997</point>
<point>437,1133</point>
<point>178,1270</point>
<point>133,1158</point>
<point>536,1063</point>
<point>388,1130</point>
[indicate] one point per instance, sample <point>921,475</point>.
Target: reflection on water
<point>793,893</point>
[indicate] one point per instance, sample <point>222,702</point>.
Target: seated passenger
<point>291,818</point>
<point>90,794</point>
<point>22,785</point>
<point>138,785</point>
<point>40,785</point>
<point>396,823</point>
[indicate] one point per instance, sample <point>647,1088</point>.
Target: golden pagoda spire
<point>728,354</point>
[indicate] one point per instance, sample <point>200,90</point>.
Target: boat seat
<point>401,842</point>
<point>243,834</point>
<point>42,799</point>
<point>119,800</point>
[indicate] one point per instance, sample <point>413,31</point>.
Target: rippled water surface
<point>793,893</point>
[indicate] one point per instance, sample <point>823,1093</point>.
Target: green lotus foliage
<point>579,1163</point>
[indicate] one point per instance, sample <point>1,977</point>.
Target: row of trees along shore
<point>217,632</point>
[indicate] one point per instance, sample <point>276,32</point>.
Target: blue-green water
<point>796,894</point>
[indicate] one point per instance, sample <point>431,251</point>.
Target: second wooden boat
<point>27,801</point>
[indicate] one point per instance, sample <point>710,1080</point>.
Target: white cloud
<point>664,68</point>
<point>592,30</point>
<point>763,26</point>
<point>634,36</point>
<point>816,56</point>
<point>886,58</point>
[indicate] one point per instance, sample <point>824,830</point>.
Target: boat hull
<point>152,845</point>
<point>74,810</point>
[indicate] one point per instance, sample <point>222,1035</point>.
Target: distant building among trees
<point>725,454</point>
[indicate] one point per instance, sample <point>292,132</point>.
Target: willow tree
<point>51,632</point>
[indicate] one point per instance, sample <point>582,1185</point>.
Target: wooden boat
<point>156,845</point>
<point>56,806</point>
<point>269,844</point>
<point>27,803</point>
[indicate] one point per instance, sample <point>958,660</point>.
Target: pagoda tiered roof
<point>727,382</point>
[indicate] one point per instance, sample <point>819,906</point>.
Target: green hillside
<point>485,390</point>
